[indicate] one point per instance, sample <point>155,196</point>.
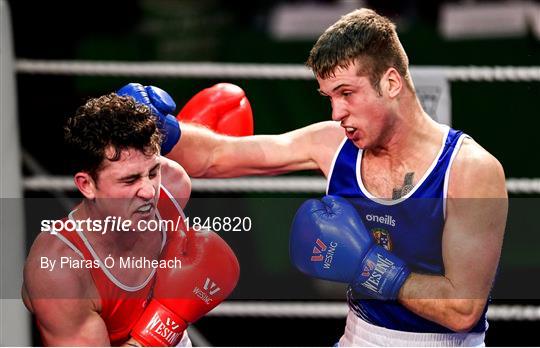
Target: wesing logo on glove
<point>209,289</point>
<point>319,249</point>
<point>375,272</point>
<point>369,266</point>
<point>165,330</point>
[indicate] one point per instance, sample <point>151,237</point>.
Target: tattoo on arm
<point>407,187</point>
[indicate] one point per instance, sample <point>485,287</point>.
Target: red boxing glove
<point>208,274</point>
<point>223,108</point>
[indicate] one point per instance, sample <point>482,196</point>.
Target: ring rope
<point>339,310</point>
<point>290,184</point>
<point>523,185</point>
<point>249,70</point>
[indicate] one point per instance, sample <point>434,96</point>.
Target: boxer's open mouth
<point>145,208</point>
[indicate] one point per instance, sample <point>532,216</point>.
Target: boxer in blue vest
<point>416,211</point>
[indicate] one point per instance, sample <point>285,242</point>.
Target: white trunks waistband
<point>361,333</point>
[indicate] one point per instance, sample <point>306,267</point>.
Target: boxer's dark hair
<point>110,121</point>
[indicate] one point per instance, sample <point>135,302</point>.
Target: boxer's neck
<point>111,236</point>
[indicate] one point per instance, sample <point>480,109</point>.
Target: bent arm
<point>471,246</point>
<point>204,153</point>
<point>69,322</point>
<point>60,299</point>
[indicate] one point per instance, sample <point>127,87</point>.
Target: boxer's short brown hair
<point>363,36</point>
<point>110,121</point>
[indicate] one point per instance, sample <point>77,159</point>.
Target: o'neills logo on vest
<point>165,330</point>
<point>375,272</point>
<point>387,219</point>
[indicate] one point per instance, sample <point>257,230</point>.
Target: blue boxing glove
<point>162,105</point>
<point>329,241</point>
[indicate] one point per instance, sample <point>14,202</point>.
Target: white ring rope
<point>288,184</point>
<point>338,310</point>
<point>248,70</point>
<point>523,185</point>
<point>164,69</point>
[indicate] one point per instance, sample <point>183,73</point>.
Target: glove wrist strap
<point>158,327</point>
<point>381,274</point>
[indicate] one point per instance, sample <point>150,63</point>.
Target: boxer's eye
<point>129,180</point>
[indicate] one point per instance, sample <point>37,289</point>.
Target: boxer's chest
<point>389,184</point>
<point>387,180</point>
<point>132,267</point>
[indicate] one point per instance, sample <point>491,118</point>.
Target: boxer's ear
<point>391,83</point>
<point>86,184</point>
